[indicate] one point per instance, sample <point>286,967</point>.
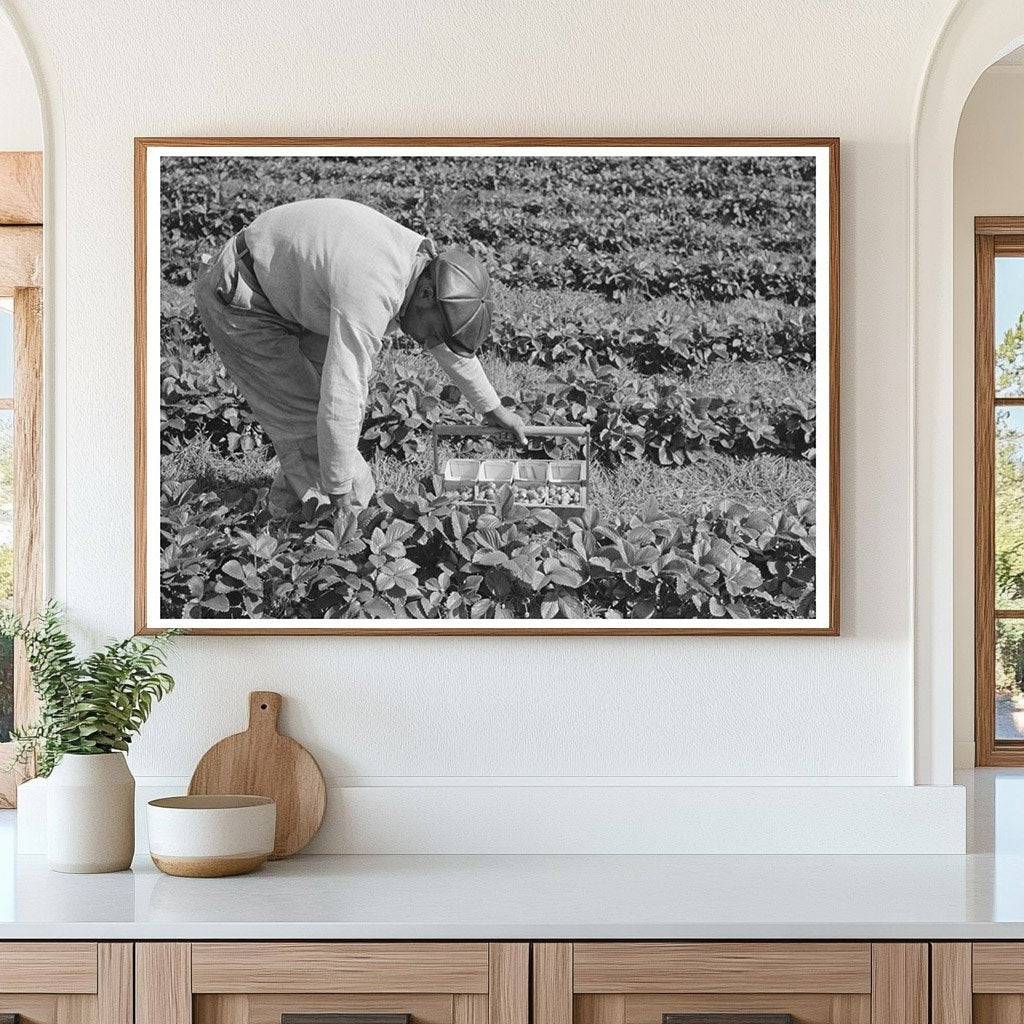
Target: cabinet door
<point>980,982</point>
<point>66,982</point>
<point>315,982</point>
<point>737,982</point>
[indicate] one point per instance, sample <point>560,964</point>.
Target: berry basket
<point>460,476</point>
<point>557,484</point>
<point>567,483</point>
<point>494,475</point>
<point>530,482</point>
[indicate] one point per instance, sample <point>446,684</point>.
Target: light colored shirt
<point>341,269</point>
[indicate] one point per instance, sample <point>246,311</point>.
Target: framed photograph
<point>487,386</point>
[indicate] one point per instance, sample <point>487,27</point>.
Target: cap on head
<point>463,293</point>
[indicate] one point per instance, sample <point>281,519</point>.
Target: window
<point>21,367</point>
<point>6,510</point>
<point>999,490</point>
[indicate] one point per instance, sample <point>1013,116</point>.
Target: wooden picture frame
<point>21,266</point>
<point>148,153</point>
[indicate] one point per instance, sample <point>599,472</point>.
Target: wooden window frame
<point>993,237</point>
<point>21,277</point>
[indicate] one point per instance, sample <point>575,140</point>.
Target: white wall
<point>21,125</point>
<point>445,713</point>
<point>988,181</point>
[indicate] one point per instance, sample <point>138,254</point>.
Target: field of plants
<point>667,304</point>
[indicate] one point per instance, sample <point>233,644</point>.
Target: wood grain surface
<point>722,967</point>
<point>48,967</point>
<point>552,983</point>
<point>599,1009</point>
<point>340,967</point>
<point>21,188</point>
<point>115,989</point>
<point>989,1008</point>
<point>28,483</point>
<point>508,988</point>
<point>262,762</point>
<point>163,983</point>
<point>807,1008</point>
<point>984,504</point>
<point>998,967</point>
<point>40,1009</point>
<point>469,1008</point>
<point>21,258</point>
<point>951,983</point>
<point>899,983</point>
<point>265,1008</point>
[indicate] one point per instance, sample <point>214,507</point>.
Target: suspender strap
<point>244,257</point>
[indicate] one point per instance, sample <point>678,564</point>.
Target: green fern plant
<point>90,705</point>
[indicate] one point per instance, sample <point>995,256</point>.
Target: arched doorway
<point>976,34</point>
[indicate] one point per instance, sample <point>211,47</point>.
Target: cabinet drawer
<point>998,967</point>
<point>981,982</point>
<point>48,967</point>
<point>262,982</point>
<point>340,967</point>
<point>630,967</point>
<point>735,982</point>
<point>66,982</point>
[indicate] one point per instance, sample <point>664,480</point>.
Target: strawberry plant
<point>423,557</point>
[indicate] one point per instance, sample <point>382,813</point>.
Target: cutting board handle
<point>264,710</point>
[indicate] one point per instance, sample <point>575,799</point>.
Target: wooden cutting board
<point>262,762</point>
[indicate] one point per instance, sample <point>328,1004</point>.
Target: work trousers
<point>276,365</point>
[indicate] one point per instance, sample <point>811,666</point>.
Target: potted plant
<point>89,709</point>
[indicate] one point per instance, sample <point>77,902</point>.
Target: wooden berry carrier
<point>557,484</point>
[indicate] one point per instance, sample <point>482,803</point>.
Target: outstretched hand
<point>508,420</point>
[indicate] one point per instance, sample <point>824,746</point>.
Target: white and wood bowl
<point>211,836</point>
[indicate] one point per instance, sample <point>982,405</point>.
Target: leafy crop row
<point>663,342</point>
<point>647,343</point>
<point>648,419</point>
<point>646,274</point>
<point>710,230</point>
<point>421,557</point>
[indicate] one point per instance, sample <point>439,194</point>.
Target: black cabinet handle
<point>337,1018</point>
<point>728,1018</point>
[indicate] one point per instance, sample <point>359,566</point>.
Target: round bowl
<point>211,836</point>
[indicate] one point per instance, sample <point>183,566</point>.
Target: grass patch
<point>200,460</point>
<point>765,481</point>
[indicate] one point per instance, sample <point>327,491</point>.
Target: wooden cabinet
<point>648,982</point>
<point>260,982</point>
<point>66,982</point>
<point>494,983</point>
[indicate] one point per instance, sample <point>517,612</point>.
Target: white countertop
<point>532,897</point>
<point>978,896</point>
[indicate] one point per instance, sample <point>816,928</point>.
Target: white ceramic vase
<point>90,814</point>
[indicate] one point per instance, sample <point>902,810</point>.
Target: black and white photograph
<point>443,387</point>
